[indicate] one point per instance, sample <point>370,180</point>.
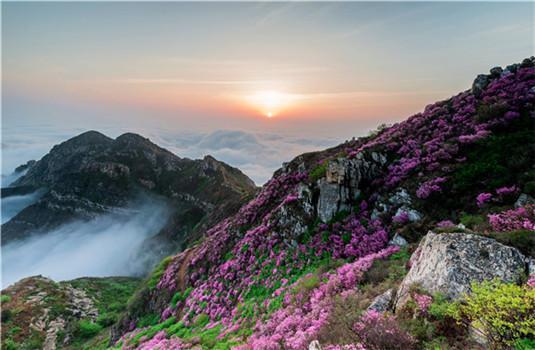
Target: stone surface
<point>523,200</point>
<point>383,302</point>
<point>450,262</point>
<point>398,240</point>
<point>342,180</point>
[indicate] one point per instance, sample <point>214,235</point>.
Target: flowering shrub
<point>483,198</point>
<point>445,224</point>
<point>531,280</point>
<point>379,331</point>
<point>506,191</point>
<point>428,187</point>
<point>248,271</point>
<point>294,326</point>
<point>345,347</point>
<point>514,219</point>
<point>423,302</point>
<point>401,218</point>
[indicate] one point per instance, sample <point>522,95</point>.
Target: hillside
<point>371,244</point>
<point>91,175</point>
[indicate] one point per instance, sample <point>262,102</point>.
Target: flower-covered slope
<point>271,276</point>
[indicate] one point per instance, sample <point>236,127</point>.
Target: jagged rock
<point>450,262</point>
<point>54,327</point>
<point>480,83</point>
<point>398,240</point>
<point>382,302</point>
<point>496,72</point>
<point>342,179</point>
<point>400,198</point>
<point>413,214</point>
<point>523,200</point>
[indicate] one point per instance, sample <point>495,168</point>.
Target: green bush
<point>9,344</point>
<point>473,221</point>
<point>158,272</point>
<point>525,344</point>
<point>106,320</point>
<point>5,298</point>
<point>318,172</point>
<point>503,312</point>
<point>6,315</point>
<point>87,329</point>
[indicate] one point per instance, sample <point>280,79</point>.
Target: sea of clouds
<point>109,245</point>
<point>112,244</point>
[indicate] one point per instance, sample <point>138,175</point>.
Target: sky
<point>253,84</point>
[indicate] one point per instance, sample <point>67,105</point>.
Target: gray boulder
<point>450,262</point>
<point>382,302</point>
<point>342,180</point>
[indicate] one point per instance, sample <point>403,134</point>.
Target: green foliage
<point>6,315</point>
<point>440,308</point>
<point>307,284</point>
<point>148,320</point>
<point>523,240</point>
<point>180,297</point>
<point>403,255</point>
<point>503,312</point>
<point>473,221</point>
<point>318,172</point>
<point>107,319</point>
<point>158,272</point>
<point>524,344</point>
<point>202,320</point>
<point>5,298</point>
<point>496,161</point>
<point>86,329</point>
<point>529,188</point>
<point>10,344</point>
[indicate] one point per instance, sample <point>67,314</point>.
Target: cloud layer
<point>110,245</point>
<point>257,154</point>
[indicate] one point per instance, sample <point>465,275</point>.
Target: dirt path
<point>181,281</point>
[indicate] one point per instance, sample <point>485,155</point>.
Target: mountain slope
<point>92,174</point>
<point>270,276</point>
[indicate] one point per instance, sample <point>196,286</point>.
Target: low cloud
<point>109,245</point>
<point>12,205</point>
<point>257,154</point>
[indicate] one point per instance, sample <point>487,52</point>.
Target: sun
<point>270,102</point>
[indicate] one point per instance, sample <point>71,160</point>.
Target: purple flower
<point>483,198</point>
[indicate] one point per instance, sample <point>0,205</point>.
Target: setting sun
<point>270,103</point>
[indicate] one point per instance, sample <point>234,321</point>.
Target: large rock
<point>343,178</point>
<point>450,262</point>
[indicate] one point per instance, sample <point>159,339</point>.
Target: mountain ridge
<point>317,258</point>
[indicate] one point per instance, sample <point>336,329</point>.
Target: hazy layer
<point>109,245</point>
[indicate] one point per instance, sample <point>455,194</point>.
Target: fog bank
<point>109,245</point>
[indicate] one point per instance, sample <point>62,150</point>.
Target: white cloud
<point>110,245</point>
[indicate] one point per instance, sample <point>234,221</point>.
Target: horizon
<point>311,74</point>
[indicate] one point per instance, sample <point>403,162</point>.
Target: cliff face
<point>92,174</point>
<point>269,276</point>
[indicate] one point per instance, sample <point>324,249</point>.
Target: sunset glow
<point>271,103</point>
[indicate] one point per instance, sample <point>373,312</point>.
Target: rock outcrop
<point>450,262</point>
<point>342,183</point>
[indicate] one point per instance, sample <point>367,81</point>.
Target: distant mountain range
<point>91,175</point>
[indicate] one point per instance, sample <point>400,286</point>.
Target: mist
<point>109,245</point>
<point>12,205</point>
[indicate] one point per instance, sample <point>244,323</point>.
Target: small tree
<point>502,312</point>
